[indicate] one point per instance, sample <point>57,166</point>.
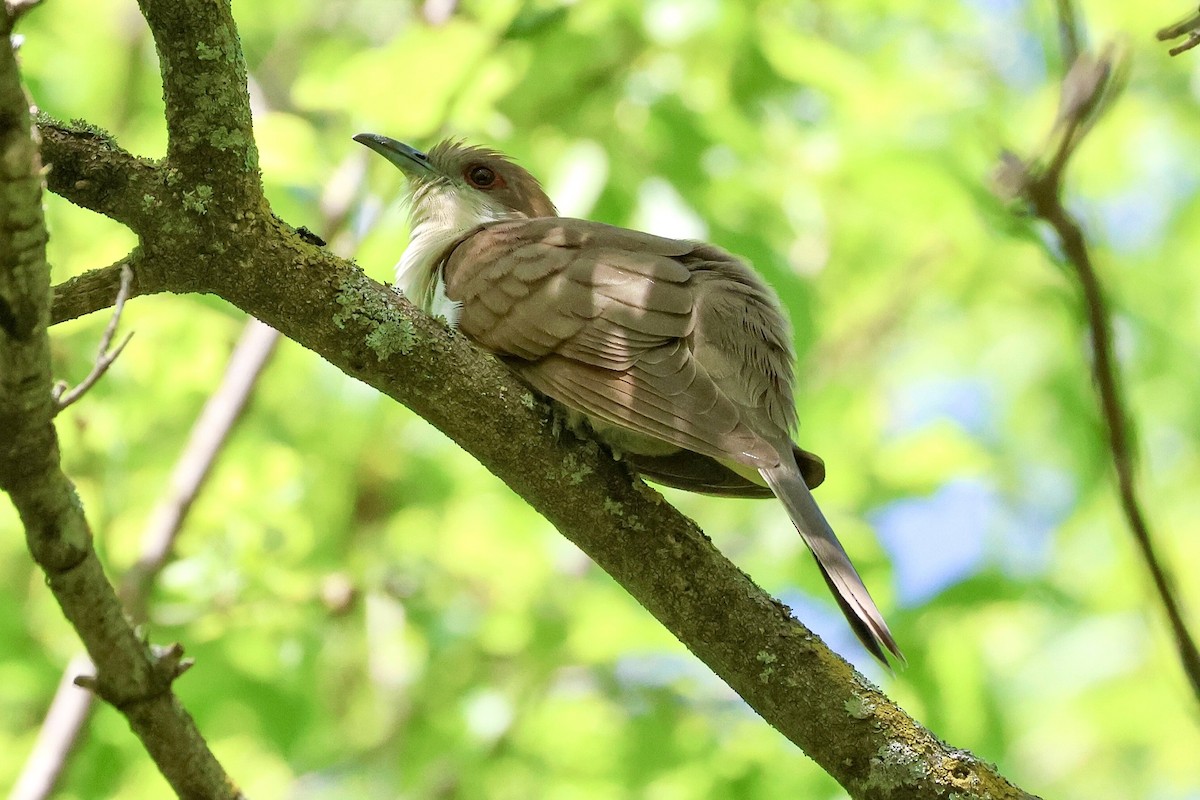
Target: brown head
<point>459,181</point>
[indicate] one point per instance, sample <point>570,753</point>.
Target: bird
<point>676,353</point>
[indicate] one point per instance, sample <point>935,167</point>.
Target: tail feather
<point>843,580</point>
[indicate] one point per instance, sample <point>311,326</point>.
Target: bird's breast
<point>420,273</point>
<point>441,305</point>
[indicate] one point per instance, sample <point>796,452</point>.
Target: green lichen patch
<point>896,765</point>
<point>197,200</point>
<point>206,52</point>
<point>767,659</point>
<point>389,332</point>
<point>860,707</point>
<point>617,509</point>
<point>390,338</point>
<point>224,138</point>
<point>573,471</point>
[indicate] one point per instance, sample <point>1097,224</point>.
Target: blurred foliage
<point>374,615</point>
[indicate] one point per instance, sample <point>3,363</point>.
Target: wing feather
<point>603,320</point>
<point>611,397</point>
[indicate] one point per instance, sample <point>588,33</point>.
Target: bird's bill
<point>412,162</point>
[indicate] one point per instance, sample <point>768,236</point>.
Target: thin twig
<point>1090,85</point>
<point>1189,27</point>
<point>1106,373</point>
<point>1192,40</point>
<point>64,397</point>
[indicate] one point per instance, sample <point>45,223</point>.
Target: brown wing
<point>604,320</point>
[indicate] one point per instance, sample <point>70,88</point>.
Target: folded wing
<point>603,320</point>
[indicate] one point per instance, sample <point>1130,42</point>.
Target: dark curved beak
<point>412,162</point>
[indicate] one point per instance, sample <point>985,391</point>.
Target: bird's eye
<point>481,177</point>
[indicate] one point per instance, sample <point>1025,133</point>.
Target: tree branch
<point>210,139</point>
<point>86,166</point>
<point>95,290</point>
<point>131,677</point>
<point>70,707</point>
<point>1189,26</point>
<point>1087,89</point>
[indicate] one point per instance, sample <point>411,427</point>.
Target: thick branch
<point>57,532</point>
<point>210,137</point>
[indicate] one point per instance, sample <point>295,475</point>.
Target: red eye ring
<point>481,176</point>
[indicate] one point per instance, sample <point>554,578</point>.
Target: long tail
<point>847,587</point>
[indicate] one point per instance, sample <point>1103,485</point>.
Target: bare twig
<point>1090,85</point>
<point>1192,40</point>
<point>63,396</point>
<point>1189,27</point>
<point>1106,374</point>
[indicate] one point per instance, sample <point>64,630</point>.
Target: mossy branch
<point>129,675</point>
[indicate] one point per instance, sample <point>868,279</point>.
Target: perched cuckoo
<point>675,352</point>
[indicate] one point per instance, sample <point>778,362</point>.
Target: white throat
<point>439,215</point>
